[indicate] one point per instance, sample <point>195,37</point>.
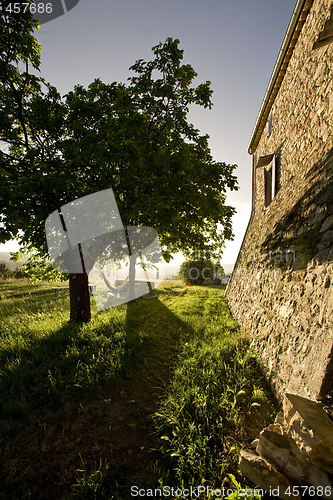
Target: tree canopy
<point>134,138</point>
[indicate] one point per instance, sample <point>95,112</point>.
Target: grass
<point>216,400</point>
<point>44,360</point>
<point>156,392</point>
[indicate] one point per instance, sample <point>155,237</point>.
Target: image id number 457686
<point>17,7</point>
<point>312,491</point>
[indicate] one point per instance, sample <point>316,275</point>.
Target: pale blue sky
<point>232,43</point>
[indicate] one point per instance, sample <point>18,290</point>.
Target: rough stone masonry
<point>281,288</point>
<point>293,458</point>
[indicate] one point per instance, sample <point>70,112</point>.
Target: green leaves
<point>134,138</point>
<point>16,40</point>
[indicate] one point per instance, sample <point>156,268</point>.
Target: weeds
<point>104,482</point>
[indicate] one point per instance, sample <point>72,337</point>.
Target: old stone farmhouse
<point>281,290</point>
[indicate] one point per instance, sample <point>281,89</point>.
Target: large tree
<point>133,138</point>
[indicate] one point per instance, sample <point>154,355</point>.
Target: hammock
<point>111,287</point>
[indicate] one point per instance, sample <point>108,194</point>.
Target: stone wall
<point>281,289</point>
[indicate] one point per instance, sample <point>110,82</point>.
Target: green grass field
<point>156,392</point>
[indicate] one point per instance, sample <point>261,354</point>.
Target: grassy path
<point>110,427</point>
<point>120,422</point>
<point>77,403</point>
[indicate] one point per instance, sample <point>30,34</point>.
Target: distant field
<point>5,257</point>
<point>157,391</point>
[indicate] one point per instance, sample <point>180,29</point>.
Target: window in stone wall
<point>277,170</point>
<point>272,177</point>
<point>268,186</point>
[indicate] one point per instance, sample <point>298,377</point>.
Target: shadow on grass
<point>18,289</point>
<point>31,295</point>
<point>78,385</point>
<point>78,359</point>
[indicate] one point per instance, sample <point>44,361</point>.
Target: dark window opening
<point>272,176</point>
<point>268,186</point>
<point>277,169</point>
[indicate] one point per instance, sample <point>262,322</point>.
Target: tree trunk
<point>131,281</point>
<point>79,298</point>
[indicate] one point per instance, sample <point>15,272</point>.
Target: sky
<point>232,43</point>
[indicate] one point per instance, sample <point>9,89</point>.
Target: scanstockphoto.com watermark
<point>274,257</point>
<point>87,235</point>
<point>194,492</point>
<point>194,273</point>
<point>228,493</point>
